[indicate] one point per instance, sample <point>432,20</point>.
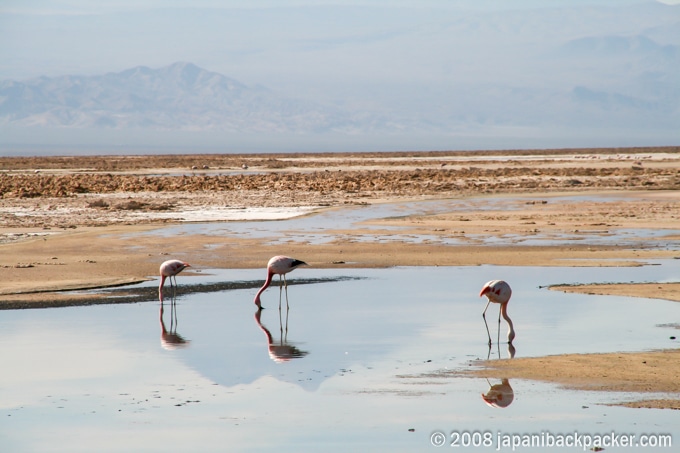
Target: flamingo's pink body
<point>169,269</point>
<point>278,265</point>
<point>499,292</point>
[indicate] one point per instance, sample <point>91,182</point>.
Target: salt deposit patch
<point>178,214</point>
<point>214,214</point>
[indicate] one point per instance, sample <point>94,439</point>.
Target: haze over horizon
<point>327,76</point>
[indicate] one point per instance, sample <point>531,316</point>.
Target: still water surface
<point>354,365</point>
<point>329,225</point>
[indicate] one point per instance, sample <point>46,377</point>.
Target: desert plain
<point>74,222</point>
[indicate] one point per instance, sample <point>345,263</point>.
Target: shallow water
<point>322,227</point>
<point>359,369</point>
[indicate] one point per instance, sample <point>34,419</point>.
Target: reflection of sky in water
<point>98,379</point>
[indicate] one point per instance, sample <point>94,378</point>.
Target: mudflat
<point>75,222</point>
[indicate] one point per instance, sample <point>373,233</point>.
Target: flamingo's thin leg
<point>485,323</point>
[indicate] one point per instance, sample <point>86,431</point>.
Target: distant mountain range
<point>180,96</point>
<point>346,77</point>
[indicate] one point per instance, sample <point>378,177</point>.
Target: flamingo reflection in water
<point>170,339</point>
<point>281,351</point>
<point>500,395</point>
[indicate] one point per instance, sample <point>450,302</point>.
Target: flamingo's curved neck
<point>160,288</point>
<point>267,282</point>
<point>511,329</point>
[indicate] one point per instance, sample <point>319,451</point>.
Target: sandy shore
<point>634,374</point>
<point>74,222</point>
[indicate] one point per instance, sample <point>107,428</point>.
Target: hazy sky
<point>284,43</point>
<point>516,64</point>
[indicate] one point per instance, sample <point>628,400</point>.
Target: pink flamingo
<point>280,265</point>
<point>169,269</point>
<point>499,292</point>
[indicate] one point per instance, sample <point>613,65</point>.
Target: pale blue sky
<point>52,37</point>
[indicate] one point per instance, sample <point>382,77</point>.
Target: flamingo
<point>499,292</point>
<point>169,269</point>
<point>280,265</point>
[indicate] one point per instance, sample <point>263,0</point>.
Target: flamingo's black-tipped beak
<point>484,290</point>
